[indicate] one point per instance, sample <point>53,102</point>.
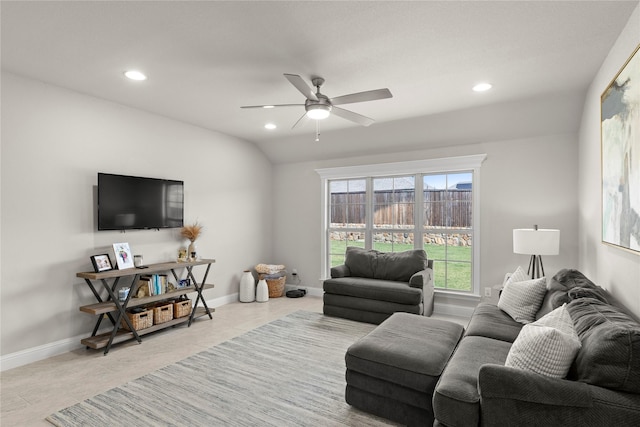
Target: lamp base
<point>536,269</point>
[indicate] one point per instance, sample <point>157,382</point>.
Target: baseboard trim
<point>45,351</point>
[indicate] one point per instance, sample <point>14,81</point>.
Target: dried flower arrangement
<point>191,232</point>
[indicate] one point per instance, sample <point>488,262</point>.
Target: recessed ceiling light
<point>270,126</point>
<point>135,75</point>
<point>482,87</point>
<point>268,106</point>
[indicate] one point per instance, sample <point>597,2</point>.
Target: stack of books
<point>150,285</point>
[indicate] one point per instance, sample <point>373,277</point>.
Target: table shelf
<point>110,306</point>
<point>100,341</point>
<point>115,310</point>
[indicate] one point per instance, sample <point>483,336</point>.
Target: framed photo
<point>620,137</point>
<point>123,255</point>
<point>101,263</point>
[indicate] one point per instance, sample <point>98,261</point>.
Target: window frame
<point>447,165</point>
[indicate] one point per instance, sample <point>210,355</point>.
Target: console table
<point>114,309</point>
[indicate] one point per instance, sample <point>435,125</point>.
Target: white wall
<point>524,181</point>
<point>53,144</point>
<point>610,267</point>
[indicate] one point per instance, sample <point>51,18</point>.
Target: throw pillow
<point>517,276</point>
<point>563,281</point>
<point>547,346</point>
<point>522,299</point>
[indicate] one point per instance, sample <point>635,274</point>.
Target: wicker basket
<point>275,285</point>
<point>181,308</point>
<point>162,313</point>
<point>139,320</point>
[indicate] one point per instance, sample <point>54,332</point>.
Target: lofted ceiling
<point>204,59</point>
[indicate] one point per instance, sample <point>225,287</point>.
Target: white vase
<point>192,251</point>
<point>247,287</point>
<point>262,291</point>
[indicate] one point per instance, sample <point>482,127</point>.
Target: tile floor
<point>32,392</point>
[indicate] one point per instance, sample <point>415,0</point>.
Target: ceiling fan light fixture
<point>318,111</point>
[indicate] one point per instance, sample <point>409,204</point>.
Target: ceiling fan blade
<point>272,106</point>
<point>370,95</point>
<point>350,115</point>
<point>304,88</point>
<point>301,121</point>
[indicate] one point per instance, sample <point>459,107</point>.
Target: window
<point>347,217</point>
<point>393,213</point>
<point>394,207</point>
<point>448,230</point>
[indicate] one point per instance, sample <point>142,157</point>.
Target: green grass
<point>454,274</point>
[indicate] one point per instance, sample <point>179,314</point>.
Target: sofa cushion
<point>610,353</point>
<point>547,346</point>
<point>375,289</point>
<point>456,400</point>
<point>491,322</point>
<point>522,300</point>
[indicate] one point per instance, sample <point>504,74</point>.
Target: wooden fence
<point>442,208</point>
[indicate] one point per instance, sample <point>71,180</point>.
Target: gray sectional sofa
<point>477,385</point>
<point>372,285</point>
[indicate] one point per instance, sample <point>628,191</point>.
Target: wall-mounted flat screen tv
<point>134,202</point>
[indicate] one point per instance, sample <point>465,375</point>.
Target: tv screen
<point>133,202</point>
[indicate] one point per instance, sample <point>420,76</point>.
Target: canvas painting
<point>620,133</point>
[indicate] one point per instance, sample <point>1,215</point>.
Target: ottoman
<point>392,371</point>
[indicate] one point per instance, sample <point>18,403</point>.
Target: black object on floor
<point>296,293</point>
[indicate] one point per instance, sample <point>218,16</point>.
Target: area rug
<point>289,372</point>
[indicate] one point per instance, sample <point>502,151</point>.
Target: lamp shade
<point>536,242</point>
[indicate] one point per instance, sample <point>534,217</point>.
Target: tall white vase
<point>247,287</point>
<point>262,291</point>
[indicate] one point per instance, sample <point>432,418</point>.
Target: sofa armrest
<point>340,271</point>
<point>510,396</point>
<point>424,280</point>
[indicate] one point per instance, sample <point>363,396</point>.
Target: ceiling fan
<point>318,106</point>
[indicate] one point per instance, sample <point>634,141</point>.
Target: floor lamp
<point>536,242</point>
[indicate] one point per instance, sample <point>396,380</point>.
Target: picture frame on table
<point>123,255</point>
<point>101,263</point>
<point>620,139</point>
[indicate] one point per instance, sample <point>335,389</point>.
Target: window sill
<point>458,294</point>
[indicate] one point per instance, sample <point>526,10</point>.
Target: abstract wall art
<point>620,138</point>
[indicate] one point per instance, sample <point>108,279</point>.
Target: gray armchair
<point>372,285</point>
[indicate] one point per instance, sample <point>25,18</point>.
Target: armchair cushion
<point>394,266</point>
<point>360,262</point>
<point>373,289</point>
